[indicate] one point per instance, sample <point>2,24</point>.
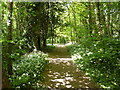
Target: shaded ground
<point>62,73</point>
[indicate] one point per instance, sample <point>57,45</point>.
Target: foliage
<point>27,70</point>
<point>94,26</point>
<point>48,48</point>
<point>97,48</point>
<point>101,60</point>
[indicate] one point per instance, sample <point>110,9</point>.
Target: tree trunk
<point>52,40</point>
<point>90,19</point>
<point>75,25</point>
<point>108,20</point>
<point>69,18</point>
<point>44,43</point>
<point>5,80</point>
<point>98,14</point>
<point>45,25</point>
<point>10,8</point>
<point>39,44</point>
<point>52,29</point>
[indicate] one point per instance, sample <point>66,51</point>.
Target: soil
<point>63,73</point>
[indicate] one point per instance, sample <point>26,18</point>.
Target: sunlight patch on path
<point>66,59</point>
<point>62,73</point>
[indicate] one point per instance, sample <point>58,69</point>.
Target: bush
<point>49,48</point>
<point>101,60</point>
<point>27,70</point>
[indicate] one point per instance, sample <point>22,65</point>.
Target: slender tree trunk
<point>52,34</point>
<point>70,24</point>
<point>44,43</point>
<point>108,20</point>
<point>52,39</point>
<point>75,26</point>
<point>90,19</point>
<point>10,8</point>
<point>45,25</point>
<point>98,14</point>
<point>74,15</point>
<point>39,44</point>
<point>74,20</point>
<point>44,35</point>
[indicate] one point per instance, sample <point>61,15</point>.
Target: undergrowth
<point>100,60</point>
<point>48,48</point>
<point>27,70</point>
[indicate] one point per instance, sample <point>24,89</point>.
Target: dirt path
<point>62,73</point>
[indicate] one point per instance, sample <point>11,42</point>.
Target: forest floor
<point>63,73</point>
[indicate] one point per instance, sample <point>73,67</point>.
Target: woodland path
<point>63,73</point>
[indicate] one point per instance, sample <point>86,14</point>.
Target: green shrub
<point>27,70</point>
<point>49,48</point>
<point>101,60</point>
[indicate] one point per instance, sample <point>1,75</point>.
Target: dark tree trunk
<point>52,40</point>
<point>99,16</point>
<point>39,44</point>
<point>10,8</point>
<point>90,19</point>
<point>5,80</point>
<point>45,31</point>
<point>44,43</point>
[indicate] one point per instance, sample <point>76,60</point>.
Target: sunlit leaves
<point>28,69</point>
<point>100,60</point>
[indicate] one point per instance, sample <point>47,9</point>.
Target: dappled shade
<point>90,30</point>
<point>62,73</point>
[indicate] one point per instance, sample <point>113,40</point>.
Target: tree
<point>10,8</point>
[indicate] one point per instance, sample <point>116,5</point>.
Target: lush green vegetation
<point>102,66</point>
<point>48,48</point>
<point>27,70</point>
<point>93,28</point>
<point>97,49</point>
